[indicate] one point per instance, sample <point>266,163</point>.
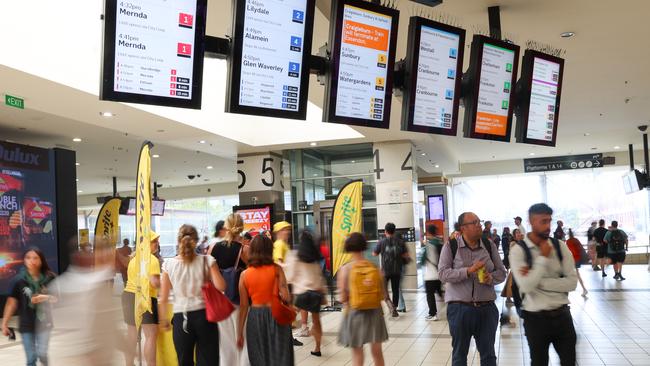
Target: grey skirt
<point>269,344</point>
<point>362,326</point>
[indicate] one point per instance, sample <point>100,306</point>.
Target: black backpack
<point>617,241</point>
<point>517,298</point>
<point>453,244</point>
<point>391,257</point>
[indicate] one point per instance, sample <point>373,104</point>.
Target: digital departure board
<point>539,98</point>
<point>153,52</point>
<point>489,107</point>
<point>433,77</point>
<point>363,36</point>
<point>268,71</point>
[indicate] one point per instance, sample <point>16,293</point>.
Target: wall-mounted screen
<point>153,52</point>
<point>633,181</point>
<point>257,218</point>
<point>436,207</point>
<point>539,98</point>
<point>268,69</point>
<point>363,36</point>
<point>157,207</point>
<point>489,104</point>
<point>27,208</point>
<point>433,77</point>
<point>128,206</point>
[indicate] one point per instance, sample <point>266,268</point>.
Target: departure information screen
<point>496,83</point>
<point>360,87</point>
<point>152,51</point>
<point>269,72</point>
<point>543,99</point>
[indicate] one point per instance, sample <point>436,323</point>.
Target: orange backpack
<point>365,286</point>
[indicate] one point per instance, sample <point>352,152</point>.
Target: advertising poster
<point>363,67</point>
<point>256,219</point>
<point>27,208</point>
<point>346,219</point>
<point>494,90</point>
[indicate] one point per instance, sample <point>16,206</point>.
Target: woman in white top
<point>186,274</point>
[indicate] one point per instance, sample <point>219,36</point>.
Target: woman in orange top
<point>269,343</point>
<point>574,246</point>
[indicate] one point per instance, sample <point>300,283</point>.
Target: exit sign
<point>15,102</point>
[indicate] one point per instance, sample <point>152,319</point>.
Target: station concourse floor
<point>613,326</point>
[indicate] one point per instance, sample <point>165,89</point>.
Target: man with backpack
<point>544,274</point>
<point>601,246</point>
<point>616,240</point>
<point>394,256</point>
<point>470,266</point>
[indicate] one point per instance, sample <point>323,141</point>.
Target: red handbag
<point>217,305</point>
<point>283,313</point>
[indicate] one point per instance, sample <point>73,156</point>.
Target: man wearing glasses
<point>471,266</point>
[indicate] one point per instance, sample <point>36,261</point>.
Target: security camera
<point>642,128</point>
<point>191,176</point>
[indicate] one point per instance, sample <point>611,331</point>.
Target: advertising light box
<point>268,69</point>
<point>433,77</point>
<point>363,36</point>
<point>489,106</point>
<point>539,99</point>
<point>257,218</point>
<point>153,52</point>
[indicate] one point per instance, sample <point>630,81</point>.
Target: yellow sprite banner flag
<point>346,219</point>
<point>143,227</point>
<point>107,223</point>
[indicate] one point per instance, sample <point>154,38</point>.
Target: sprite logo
<point>348,211</point>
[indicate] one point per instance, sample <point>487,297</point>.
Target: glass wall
<point>203,213</point>
<point>577,198</point>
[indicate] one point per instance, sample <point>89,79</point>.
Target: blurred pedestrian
<point>430,259</point>
<point>575,246</point>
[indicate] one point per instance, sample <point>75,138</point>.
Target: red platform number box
<point>184,50</point>
<point>185,20</point>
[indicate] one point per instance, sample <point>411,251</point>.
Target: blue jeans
<point>36,345</point>
<point>465,322</point>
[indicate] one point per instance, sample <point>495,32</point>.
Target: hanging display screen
<point>153,52</point>
<point>493,67</point>
<point>541,79</point>
<point>360,87</point>
<point>268,72</point>
<point>433,68</point>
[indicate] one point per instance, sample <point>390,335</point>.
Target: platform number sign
<point>260,172</point>
<point>392,163</point>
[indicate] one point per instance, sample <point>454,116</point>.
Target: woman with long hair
<point>363,320</point>
<point>305,274</point>
<point>269,343</point>
<point>575,246</point>
<point>231,257</point>
<point>29,297</point>
<point>185,274</point>
<point>149,319</point>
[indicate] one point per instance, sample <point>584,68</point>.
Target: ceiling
<point>55,67</point>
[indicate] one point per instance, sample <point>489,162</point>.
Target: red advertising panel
<point>257,218</point>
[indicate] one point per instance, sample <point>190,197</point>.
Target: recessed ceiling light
<point>353,161</point>
<point>437,166</point>
<point>80,191</point>
<point>77,164</point>
<point>616,147</point>
<point>531,154</point>
<point>106,114</point>
<point>312,144</point>
<point>155,156</point>
<point>76,139</point>
<point>423,154</point>
<point>77,179</point>
<point>208,167</point>
<point>202,142</point>
<point>567,34</point>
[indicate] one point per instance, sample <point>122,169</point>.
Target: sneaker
<point>304,332</point>
<point>584,293</point>
<point>429,317</point>
<point>395,314</point>
<point>620,277</point>
<point>616,276</point>
<point>604,274</point>
<point>297,342</point>
<point>435,318</point>
<point>401,310</point>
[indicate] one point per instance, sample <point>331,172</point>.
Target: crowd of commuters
<point>269,283</point>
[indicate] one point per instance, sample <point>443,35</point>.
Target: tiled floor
<point>613,326</point>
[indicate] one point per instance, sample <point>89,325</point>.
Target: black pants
<point>432,288</point>
<point>543,330</point>
<point>394,285</point>
<point>192,329</point>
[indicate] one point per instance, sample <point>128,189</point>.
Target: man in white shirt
<point>545,277</point>
<point>520,226</point>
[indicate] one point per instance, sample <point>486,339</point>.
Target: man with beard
<point>545,273</point>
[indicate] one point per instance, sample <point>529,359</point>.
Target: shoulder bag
<point>217,305</point>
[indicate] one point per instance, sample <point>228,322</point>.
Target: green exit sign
<point>15,102</point>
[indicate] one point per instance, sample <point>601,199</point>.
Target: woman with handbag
<point>309,288</point>
<point>187,274</point>
<point>264,298</point>
<point>231,257</point>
